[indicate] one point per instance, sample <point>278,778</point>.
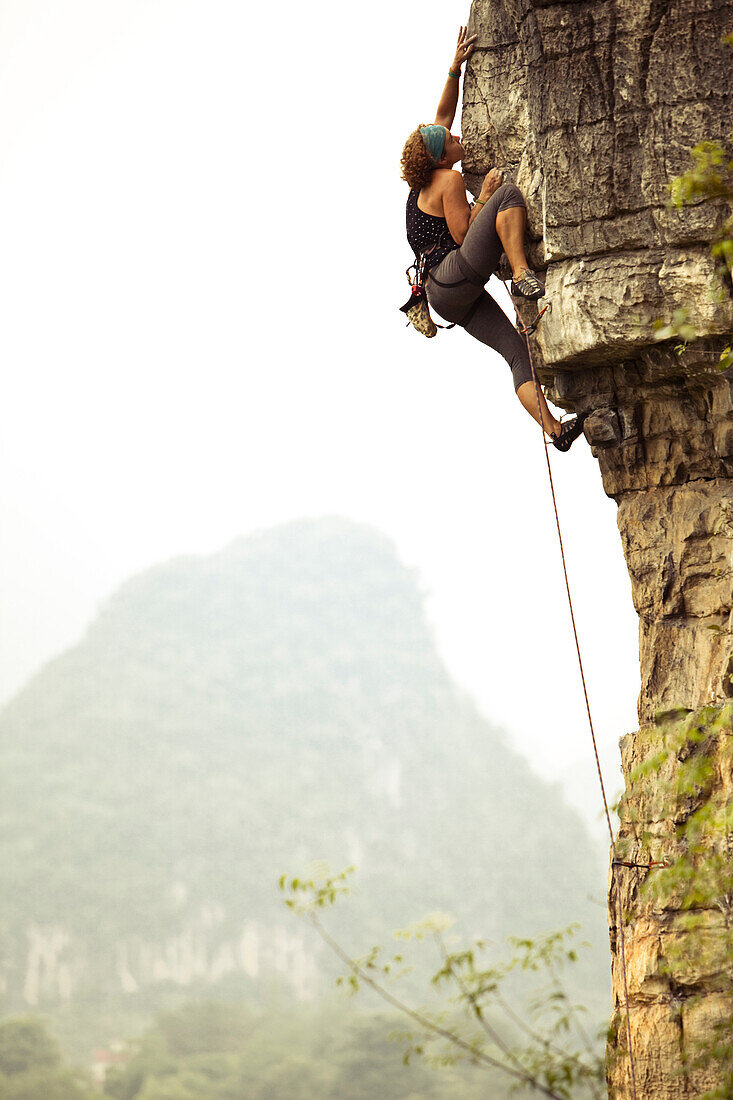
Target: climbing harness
<point>615,863</point>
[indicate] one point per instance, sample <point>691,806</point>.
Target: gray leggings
<point>455,288</point>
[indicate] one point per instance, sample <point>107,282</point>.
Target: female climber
<point>462,246</point>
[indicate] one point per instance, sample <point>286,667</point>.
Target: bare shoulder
<point>449,181</point>
<point>445,187</point>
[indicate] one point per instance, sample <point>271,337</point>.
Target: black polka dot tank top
<point>426,230</point>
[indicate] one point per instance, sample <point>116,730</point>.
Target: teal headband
<point>434,139</point>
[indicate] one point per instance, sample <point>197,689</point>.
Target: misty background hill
<point>232,717</point>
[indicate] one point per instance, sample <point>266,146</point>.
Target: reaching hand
<point>492,180</point>
<point>464,48</point>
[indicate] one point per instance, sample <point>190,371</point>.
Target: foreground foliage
<point>543,1046</point>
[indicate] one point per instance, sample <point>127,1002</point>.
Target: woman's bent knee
<point>508,195</point>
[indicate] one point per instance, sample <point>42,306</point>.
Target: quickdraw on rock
<point>527,330</point>
<point>642,866</point>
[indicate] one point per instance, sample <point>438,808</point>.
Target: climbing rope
<point>614,863</point>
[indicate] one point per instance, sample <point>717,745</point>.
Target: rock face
<point>592,107</point>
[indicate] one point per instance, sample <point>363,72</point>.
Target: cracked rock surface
<point>592,107</point>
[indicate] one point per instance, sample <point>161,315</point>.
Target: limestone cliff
<point>592,107</point>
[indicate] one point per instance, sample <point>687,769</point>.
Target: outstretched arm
<point>449,100</point>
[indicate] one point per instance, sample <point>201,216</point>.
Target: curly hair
<point>417,166</point>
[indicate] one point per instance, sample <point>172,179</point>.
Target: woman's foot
<point>525,284</point>
<point>569,432</point>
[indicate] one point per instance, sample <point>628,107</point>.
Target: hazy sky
<point>202,257</point>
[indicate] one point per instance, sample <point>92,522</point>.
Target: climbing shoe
<point>528,286</point>
<point>569,432</point>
